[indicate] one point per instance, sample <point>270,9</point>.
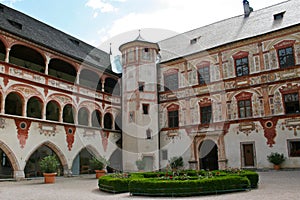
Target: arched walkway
<point>208,155</point>
<point>81,163</point>
<point>27,57</point>
<point>32,168</point>
<point>9,163</point>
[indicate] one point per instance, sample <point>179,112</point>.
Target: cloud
<point>101,5</point>
<point>9,2</point>
<point>174,15</point>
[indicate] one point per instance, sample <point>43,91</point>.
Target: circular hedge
<point>185,183</point>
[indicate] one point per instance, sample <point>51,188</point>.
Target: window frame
<point>174,83</point>
<point>297,151</point>
<point>173,116</point>
<point>290,58</point>
<point>284,45</point>
<point>294,102</point>
<point>245,97</point>
<point>203,112</point>
<point>204,76</point>
<point>145,108</point>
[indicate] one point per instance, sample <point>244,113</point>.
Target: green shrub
<point>49,164</point>
<point>113,184</point>
<point>252,176</point>
<point>158,187</point>
<point>184,183</point>
<point>276,158</point>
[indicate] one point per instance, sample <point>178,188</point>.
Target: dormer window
<point>15,24</point>
<point>193,41</point>
<point>278,16</point>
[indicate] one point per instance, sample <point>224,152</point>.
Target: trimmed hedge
<point>185,183</point>
<point>157,187</point>
<point>114,185</point>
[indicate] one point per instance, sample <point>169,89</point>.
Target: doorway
<point>208,155</point>
<point>248,155</point>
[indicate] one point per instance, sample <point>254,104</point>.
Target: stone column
<point>7,55</point>
<point>47,61</point>
<point>19,175</point>
<point>222,156</point>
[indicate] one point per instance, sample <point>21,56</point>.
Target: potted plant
<point>98,165</point>
<point>176,163</point>
<point>276,159</point>
<point>49,166</point>
<point>140,164</point>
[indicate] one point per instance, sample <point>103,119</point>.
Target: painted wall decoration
<point>23,126</point>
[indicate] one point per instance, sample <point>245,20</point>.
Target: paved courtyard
<point>279,185</point>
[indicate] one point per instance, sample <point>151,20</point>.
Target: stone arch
<point>27,57</point>
<point>90,79</point>
<point>63,70</point>
<point>80,161</point>
<point>207,153</point>
<point>56,150</point>
<point>108,120</point>
<point>83,116</point>
<point>35,107</point>
<point>2,50</point>
<point>14,104</point>
<point>11,156</point>
<point>53,110</point>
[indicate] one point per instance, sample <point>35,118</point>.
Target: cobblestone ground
<point>281,185</point>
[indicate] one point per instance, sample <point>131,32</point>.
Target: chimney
<point>247,8</point>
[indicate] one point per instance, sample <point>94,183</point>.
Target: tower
<point>140,104</point>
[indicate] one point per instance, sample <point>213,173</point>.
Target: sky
<point>101,22</point>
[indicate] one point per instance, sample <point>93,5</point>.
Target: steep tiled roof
<point>231,30</point>
<point>26,27</point>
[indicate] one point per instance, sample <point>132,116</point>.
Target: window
<point>286,57</point>
<point>278,16</point>
<point>141,86</point>
<point>148,134</point>
<point>242,67</point>
<point>203,75</point>
<point>291,103</point>
<point>244,108</point>
<point>294,148</point>
<point>164,154</point>
<point>171,81</point>
<point>173,119</point>
<point>205,114</point>
<point>145,109</point>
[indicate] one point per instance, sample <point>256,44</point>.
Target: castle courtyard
<point>280,185</point>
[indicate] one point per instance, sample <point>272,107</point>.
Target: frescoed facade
<point>221,96</point>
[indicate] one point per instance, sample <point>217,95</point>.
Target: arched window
<point>83,117</point>
<point>173,116</point>
<point>111,86</point>
<point>2,51</point>
<point>118,122</point>
<point>68,114</point>
<point>108,121</point>
<point>52,111</point>
<point>96,119</point>
<point>34,108</point>
<point>62,70</point>
<point>90,79</point>
<point>26,57</point>
<point>13,104</point>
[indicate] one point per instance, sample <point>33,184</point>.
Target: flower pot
<point>100,173</point>
<point>277,167</point>
<point>49,177</point>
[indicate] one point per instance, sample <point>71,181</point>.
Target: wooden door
<point>248,155</point>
